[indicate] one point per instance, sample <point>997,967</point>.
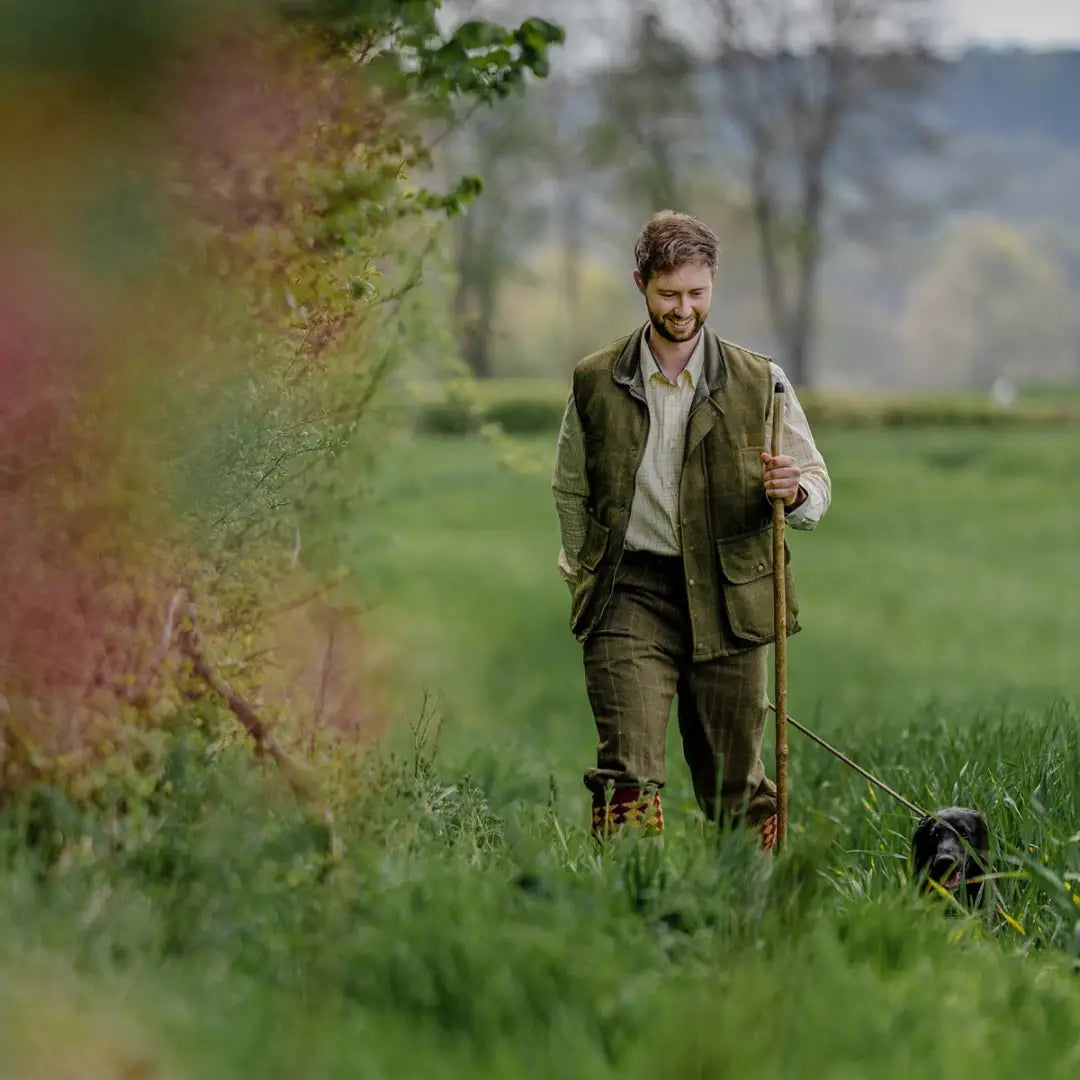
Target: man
<point>663,480</point>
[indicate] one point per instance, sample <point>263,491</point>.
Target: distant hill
<point>1012,92</point>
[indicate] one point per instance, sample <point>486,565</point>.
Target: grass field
<point>465,926</point>
<point>939,581</point>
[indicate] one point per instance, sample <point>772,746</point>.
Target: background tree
<point>546,162</point>
<point>994,303</point>
<point>821,100</point>
<point>509,151</point>
<point>648,128</point>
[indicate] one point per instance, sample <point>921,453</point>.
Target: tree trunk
<point>771,268</point>
<point>474,300</point>
<point>479,318</point>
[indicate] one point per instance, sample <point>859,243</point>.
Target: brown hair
<point>671,239</point>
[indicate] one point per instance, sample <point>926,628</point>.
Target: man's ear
<point>639,281</point>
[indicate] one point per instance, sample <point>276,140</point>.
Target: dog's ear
<point>980,834</point>
<point>923,844</point>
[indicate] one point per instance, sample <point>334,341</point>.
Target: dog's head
<point>951,846</point>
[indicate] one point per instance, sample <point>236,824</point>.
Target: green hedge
<point>959,410</point>
<point>536,407</point>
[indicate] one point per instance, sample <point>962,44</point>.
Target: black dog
<point>951,847</point>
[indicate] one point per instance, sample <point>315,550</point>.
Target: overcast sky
<point>1033,22</point>
<point>599,27</point>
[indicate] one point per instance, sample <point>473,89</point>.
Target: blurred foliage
<point>998,301</point>
<point>211,232</point>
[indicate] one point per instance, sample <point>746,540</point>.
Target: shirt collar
<point>691,372</point>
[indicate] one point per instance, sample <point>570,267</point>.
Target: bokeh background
<point>892,193</point>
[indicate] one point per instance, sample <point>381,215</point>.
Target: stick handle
<point>780,627</point>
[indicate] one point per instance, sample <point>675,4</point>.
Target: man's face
<point>678,301</point>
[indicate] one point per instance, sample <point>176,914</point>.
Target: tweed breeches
<point>637,661</point>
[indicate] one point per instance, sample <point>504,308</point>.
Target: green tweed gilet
<point>725,519</point>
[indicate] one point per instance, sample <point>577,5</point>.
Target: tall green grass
<point>228,934</point>
<point>451,916</point>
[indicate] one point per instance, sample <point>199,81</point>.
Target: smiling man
<point>663,480</point>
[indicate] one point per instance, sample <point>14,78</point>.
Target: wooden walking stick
<point>780,627</point>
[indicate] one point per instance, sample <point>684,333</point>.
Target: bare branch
<point>299,777</point>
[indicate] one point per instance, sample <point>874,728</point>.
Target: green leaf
<point>481,34</point>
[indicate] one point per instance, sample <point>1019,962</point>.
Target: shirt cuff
<point>794,517</point>
<point>567,570</point>
<point>807,514</point>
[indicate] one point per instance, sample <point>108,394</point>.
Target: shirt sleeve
<point>799,444</point>
<point>570,486</point>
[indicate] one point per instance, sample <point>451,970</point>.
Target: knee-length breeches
<point>637,660</point>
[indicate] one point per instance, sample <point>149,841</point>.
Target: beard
<point>662,324</point>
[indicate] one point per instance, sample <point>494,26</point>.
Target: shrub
<point>213,290</point>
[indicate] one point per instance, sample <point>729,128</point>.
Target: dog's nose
<point>944,867</point>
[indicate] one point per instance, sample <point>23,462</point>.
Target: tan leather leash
<point>851,764</point>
